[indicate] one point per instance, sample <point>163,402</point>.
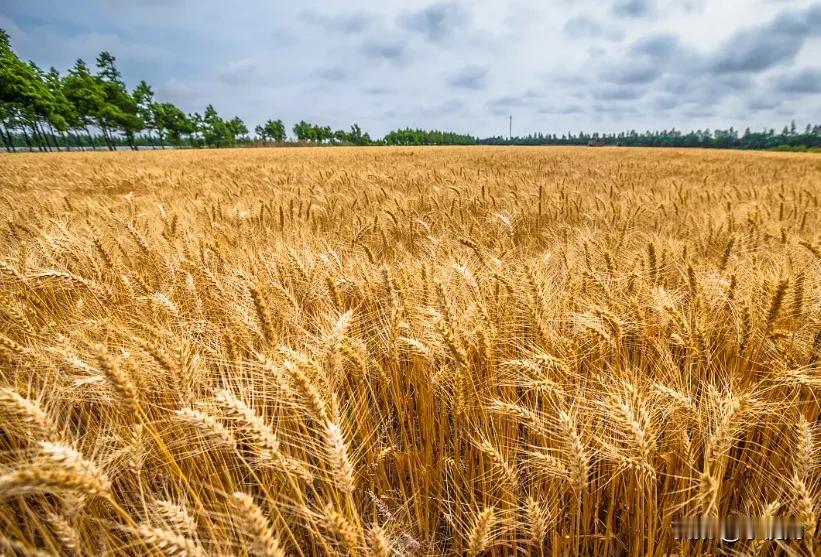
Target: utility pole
<point>510,129</point>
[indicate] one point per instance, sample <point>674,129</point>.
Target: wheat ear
<point>264,541</point>
<point>167,542</point>
<point>260,433</point>
<point>337,454</point>
<point>480,532</point>
<point>13,404</point>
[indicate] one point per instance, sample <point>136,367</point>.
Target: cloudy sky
<point>460,65</point>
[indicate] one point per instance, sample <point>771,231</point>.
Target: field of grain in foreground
<point>406,352</point>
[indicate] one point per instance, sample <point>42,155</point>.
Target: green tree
<point>324,133</point>
<point>272,130</point>
<point>64,116</point>
<point>144,99</point>
<point>24,102</point>
<point>198,125</point>
<point>355,136</point>
<point>86,95</point>
<point>304,131</point>
<point>171,122</point>
<point>40,111</point>
<point>119,111</point>
<point>237,128</point>
<point>221,133</point>
<point>358,137</point>
<point>24,97</point>
<point>7,91</point>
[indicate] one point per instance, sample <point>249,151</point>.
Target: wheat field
<point>435,351</point>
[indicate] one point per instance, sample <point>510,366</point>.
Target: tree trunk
<point>159,133</point>
<point>6,142</point>
<point>48,140</point>
<point>26,137</point>
<point>107,138</point>
<point>54,137</point>
<point>37,139</point>
<point>11,139</point>
<point>90,138</point>
<point>43,136</point>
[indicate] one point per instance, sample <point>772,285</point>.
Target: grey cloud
<point>568,109</point>
<point>333,73</point>
<point>758,52</point>
<point>735,81</point>
<point>693,6</point>
<point>635,73</point>
<point>453,105</point>
<point>704,89</point>
<point>185,95</point>
<point>437,21</point>
<point>699,112</point>
<point>448,107</point>
<point>509,101</point>
<point>340,23</point>
<point>393,51</point>
<point>803,81</point>
<point>632,8</point>
<point>238,71</point>
<point>504,104</point>
<point>572,109</point>
<point>762,103</point>
<point>666,102</point>
<point>378,91</point>
<point>662,46</point>
<point>768,45</point>
<point>617,93</point>
<point>469,77</point>
<point>614,111</point>
<point>585,27</point>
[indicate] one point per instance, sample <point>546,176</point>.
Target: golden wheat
<point>441,351</point>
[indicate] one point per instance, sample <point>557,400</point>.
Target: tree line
<point>88,108</point>
<point>428,137</point>
<point>93,108</point>
<point>790,138</point>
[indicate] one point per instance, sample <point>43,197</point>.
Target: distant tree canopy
<point>789,139</point>
<point>425,137</point>
<point>44,110</point>
<point>272,130</point>
<point>313,133</point>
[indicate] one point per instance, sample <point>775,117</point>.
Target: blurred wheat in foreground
<point>407,352</point>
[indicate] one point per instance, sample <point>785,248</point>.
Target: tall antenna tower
<point>510,129</point>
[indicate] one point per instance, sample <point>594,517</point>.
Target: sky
<point>465,66</point>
